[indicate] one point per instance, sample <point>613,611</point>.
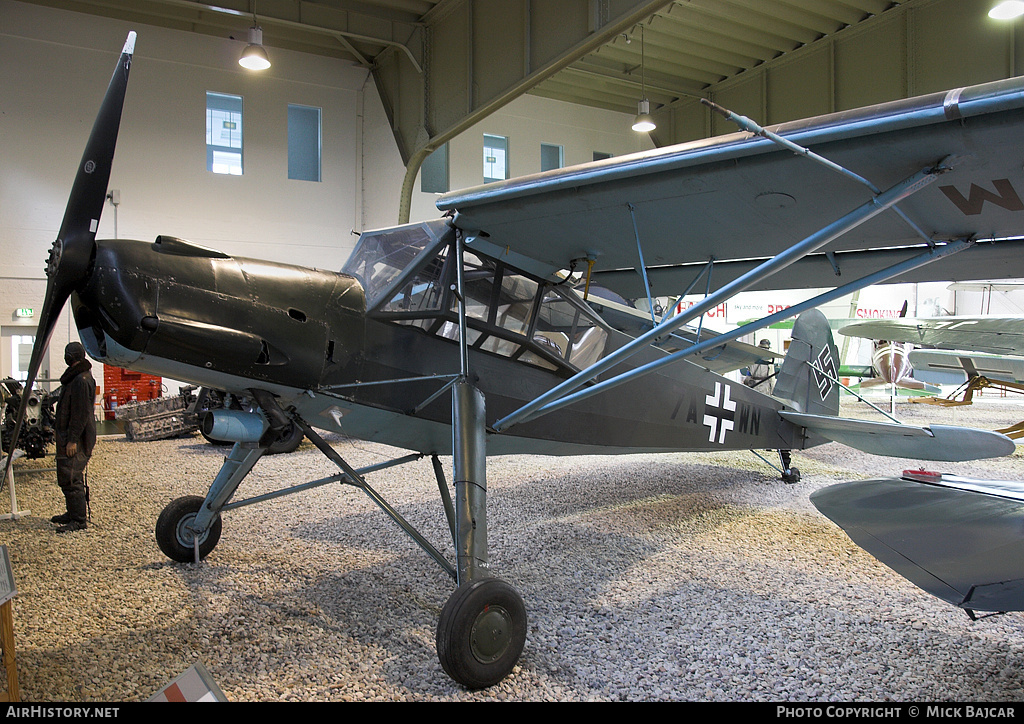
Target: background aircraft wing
<point>740,199</point>
<point>953,367</point>
<point>958,539</point>
<point>997,334</point>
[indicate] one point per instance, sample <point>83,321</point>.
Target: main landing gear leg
<point>482,629</point>
<point>189,527</point>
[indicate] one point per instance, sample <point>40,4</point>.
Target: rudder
<point>807,377</point>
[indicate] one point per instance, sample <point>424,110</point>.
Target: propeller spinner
<point>68,264</point>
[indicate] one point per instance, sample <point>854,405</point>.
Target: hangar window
<point>434,172</point>
<point>495,158</point>
<point>551,157</point>
<point>224,133</point>
<point>21,354</point>
<point>303,143</point>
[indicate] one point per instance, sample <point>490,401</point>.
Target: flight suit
<point>75,432</point>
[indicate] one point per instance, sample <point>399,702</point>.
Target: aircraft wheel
<point>481,632</point>
<point>174,532</point>
<point>791,476</point>
<point>287,441</point>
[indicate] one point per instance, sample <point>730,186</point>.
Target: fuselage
<point>891,361</point>
<point>188,313</point>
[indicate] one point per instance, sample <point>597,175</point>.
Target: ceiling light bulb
<point>254,57</point>
<point>1007,10</point>
<point>643,122</point>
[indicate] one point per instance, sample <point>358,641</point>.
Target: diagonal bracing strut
<point>810,244</point>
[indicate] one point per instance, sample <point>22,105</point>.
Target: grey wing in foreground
<point>958,539</point>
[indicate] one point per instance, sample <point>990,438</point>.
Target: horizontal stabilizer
<point>935,442</point>
<point>958,539</point>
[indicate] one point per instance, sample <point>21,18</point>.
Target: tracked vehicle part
<point>158,419</point>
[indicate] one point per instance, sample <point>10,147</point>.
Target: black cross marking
<point>722,416</point>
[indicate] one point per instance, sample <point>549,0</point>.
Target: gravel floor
<point>674,577</point>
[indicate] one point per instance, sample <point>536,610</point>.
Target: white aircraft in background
<point>955,349</point>
<point>890,355</point>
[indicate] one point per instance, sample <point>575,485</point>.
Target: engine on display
<point>37,430</point>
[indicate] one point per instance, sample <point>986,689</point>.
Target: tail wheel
<point>481,633</point>
<point>174,532</point>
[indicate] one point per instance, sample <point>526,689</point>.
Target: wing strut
<point>643,266</point>
<point>878,277</point>
<point>853,219</point>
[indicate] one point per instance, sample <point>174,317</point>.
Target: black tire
<point>791,476</point>
<point>287,440</point>
<point>481,633</point>
<point>175,537</point>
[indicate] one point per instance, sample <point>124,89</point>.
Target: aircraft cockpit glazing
<point>409,275</point>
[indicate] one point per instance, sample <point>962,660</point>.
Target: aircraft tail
<point>807,377</point>
<point>807,382</point>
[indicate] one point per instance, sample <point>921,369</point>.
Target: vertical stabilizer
<point>807,378</point>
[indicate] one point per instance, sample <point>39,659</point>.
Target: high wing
<point>957,538</point>
<point>951,161</point>
<point>994,334</point>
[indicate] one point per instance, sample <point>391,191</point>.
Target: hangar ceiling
<point>688,46</point>
<point>443,65</point>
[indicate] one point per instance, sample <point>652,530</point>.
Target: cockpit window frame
<point>438,234</point>
<point>433,321</point>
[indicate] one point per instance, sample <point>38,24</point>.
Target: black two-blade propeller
<point>71,253</point>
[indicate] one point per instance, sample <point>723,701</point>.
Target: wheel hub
<point>489,638</point>
<point>186,534</point>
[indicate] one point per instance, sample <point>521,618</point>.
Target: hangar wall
<point>527,122</point>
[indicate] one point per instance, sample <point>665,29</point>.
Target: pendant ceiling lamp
<point>643,122</point>
<point>254,57</point>
<point>1007,10</point>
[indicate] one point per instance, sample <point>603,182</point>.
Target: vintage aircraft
<point>972,352</point>
<point>463,336</point>
<point>890,358</point>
